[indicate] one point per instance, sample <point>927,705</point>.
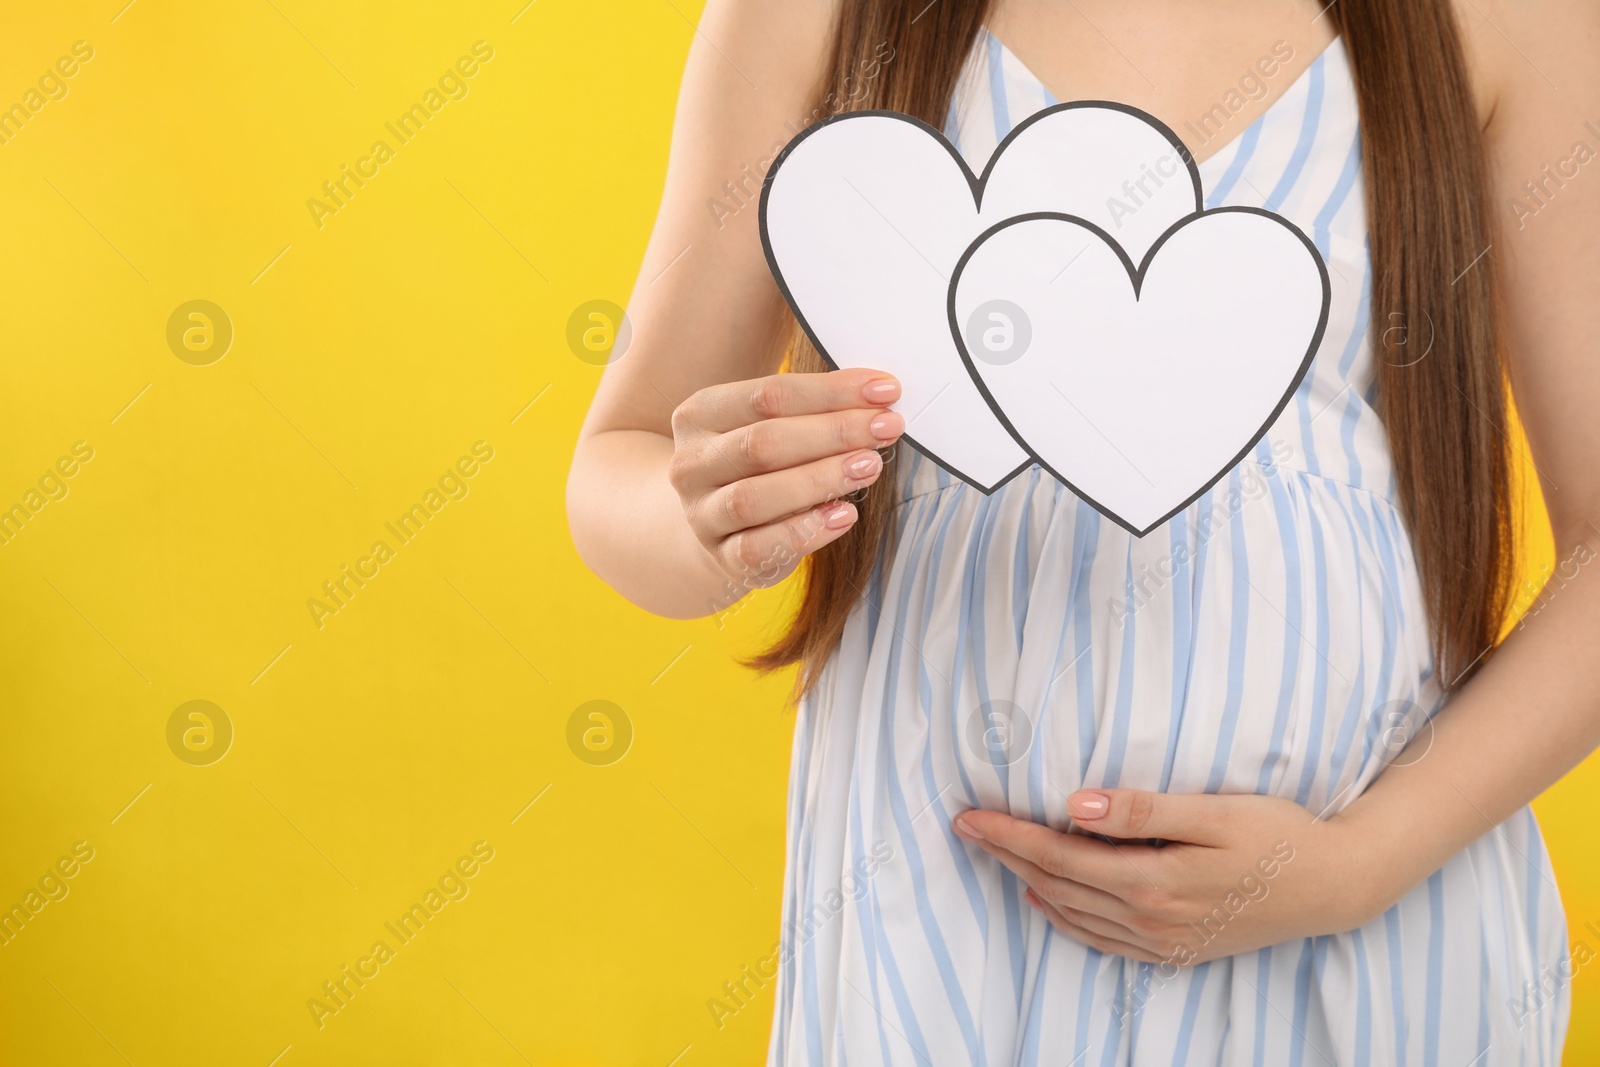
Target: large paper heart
<point>864,216</point>
<point>1140,385</point>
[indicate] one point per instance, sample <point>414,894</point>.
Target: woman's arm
<point>1531,713</point>
<point>686,492</point>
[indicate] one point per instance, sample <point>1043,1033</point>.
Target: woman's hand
<point>761,465</point>
<point>1239,872</point>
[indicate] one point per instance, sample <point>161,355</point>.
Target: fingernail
<point>864,466</point>
<point>886,427</point>
<point>838,516</point>
<point>1088,805</point>
<point>967,829</point>
<point>881,391</point>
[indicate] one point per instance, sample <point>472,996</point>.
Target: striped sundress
<point>1270,639</point>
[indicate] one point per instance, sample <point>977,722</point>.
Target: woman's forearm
<point>1529,716</point>
<point>628,525</point>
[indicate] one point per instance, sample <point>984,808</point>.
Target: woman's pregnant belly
<point>1016,647</point>
<point>1272,639</point>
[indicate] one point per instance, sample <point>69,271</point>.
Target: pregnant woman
<point>1253,788</point>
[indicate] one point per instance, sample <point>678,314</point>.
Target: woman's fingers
<point>767,554</point>
<point>780,444</point>
<point>760,465</point>
<point>766,498</point>
<point>720,409</point>
<point>1089,915</point>
<point>1093,923</point>
<point>1117,869</point>
<point>1132,814</point>
<point>1064,891</point>
<point>1112,946</point>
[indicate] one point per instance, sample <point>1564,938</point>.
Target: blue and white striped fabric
<point>1262,641</point>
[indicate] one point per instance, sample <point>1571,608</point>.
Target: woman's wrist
<point>1383,856</point>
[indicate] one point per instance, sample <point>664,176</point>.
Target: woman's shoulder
<point>1525,56</point>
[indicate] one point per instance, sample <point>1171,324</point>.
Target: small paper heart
<point>1140,385</point>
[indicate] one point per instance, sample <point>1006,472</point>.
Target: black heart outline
<point>1136,275</point>
<point>977,184</point>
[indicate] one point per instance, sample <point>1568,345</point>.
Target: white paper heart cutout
<point>1139,386</point>
<point>864,217</point>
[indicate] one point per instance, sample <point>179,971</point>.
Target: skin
<point>737,482</point>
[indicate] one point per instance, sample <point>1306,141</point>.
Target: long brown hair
<point>1441,387</point>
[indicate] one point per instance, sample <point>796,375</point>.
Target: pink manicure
<point>881,391</point>
<point>1087,805</point>
<point>839,516</point>
<point>864,466</point>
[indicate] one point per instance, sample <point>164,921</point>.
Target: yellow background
<point>372,752</point>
